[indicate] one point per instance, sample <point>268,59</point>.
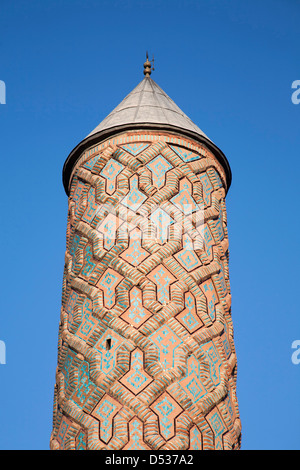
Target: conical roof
<point>148,103</point>
<point>146,107</point>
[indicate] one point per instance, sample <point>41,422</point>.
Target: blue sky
<point>229,65</point>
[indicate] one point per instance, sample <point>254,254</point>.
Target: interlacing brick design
<point>146,358</point>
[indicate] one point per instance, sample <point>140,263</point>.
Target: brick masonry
<point>146,357</point>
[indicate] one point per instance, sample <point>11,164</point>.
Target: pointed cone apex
<point>146,107</point>
<point>148,104</point>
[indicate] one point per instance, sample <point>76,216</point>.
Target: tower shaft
<point>146,357</point>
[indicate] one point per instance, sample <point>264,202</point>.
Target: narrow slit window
<point>108,344</point>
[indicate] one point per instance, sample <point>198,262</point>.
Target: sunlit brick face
<point>146,357</point>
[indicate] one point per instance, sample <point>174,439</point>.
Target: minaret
<point>146,357</point>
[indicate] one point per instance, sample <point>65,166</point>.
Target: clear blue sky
<point>229,65</point>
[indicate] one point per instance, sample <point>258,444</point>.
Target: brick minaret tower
<point>146,357</point>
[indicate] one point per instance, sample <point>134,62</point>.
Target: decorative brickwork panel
<point>146,357</point>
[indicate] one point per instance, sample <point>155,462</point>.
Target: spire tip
<point>148,66</point>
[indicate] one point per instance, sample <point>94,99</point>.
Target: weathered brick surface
<point>146,356</point>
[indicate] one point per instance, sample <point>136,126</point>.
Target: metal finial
<point>147,66</point>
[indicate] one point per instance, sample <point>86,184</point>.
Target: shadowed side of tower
<point>146,357</point>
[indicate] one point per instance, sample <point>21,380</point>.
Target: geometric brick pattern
<point>146,358</point>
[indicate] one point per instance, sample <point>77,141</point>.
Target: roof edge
<point>91,140</point>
